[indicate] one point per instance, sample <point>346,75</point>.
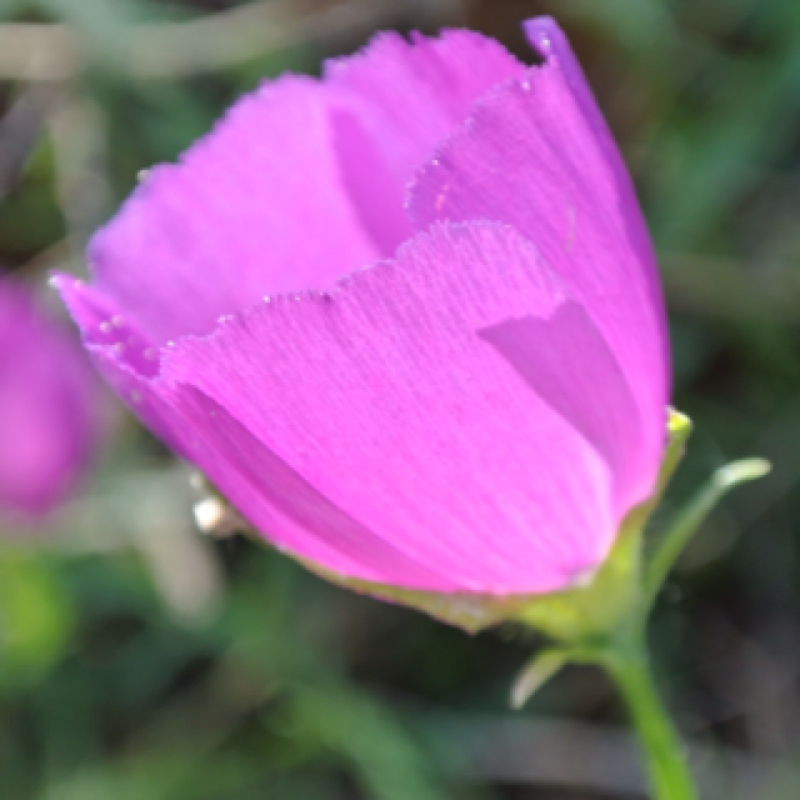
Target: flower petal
<point>122,354</point>
<point>537,154</point>
<point>50,407</point>
<point>398,399</point>
<point>255,207</point>
<point>273,496</point>
<point>394,103</point>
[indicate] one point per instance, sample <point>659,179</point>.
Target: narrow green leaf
<point>543,666</point>
<point>674,541</point>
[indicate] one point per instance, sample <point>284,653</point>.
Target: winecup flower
<point>405,317</point>
<point>49,408</point>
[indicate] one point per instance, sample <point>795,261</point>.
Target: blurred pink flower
<point>49,408</point>
<point>407,318</point>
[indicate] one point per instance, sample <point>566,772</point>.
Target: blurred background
<point>142,660</point>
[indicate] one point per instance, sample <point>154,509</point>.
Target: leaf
<point>543,666</point>
<point>680,533</point>
<point>35,620</point>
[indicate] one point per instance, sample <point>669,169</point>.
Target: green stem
<point>667,767</point>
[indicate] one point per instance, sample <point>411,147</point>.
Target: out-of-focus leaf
<point>35,616</point>
<point>357,729</point>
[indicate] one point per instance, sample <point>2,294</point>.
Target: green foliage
<point>35,617</point>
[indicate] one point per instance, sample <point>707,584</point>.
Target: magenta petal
<point>255,207</point>
<point>537,154</point>
<point>50,407</point>
<point>126,359</point>
<point>398,400</point>
<point>254,479</point>
<point>565,359</point>
<point>478,414</point>
<point>394,103</point>
<point>292,512</point>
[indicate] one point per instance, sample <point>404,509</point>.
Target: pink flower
<point>49,406</point>
<point>406,318</point>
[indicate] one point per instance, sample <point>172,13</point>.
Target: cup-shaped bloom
<point>50,408</point>
<point>405,317</point>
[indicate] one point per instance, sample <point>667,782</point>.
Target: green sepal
<point>560,614</point>
<point>592,612</point>
<point>567,615</point>
<point>579,615</point>
<point>470,611</point>
<point>543,666</point>
<point>679,428</point>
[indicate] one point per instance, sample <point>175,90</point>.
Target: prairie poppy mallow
<point>50,408</point>
<point>406,317</point>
